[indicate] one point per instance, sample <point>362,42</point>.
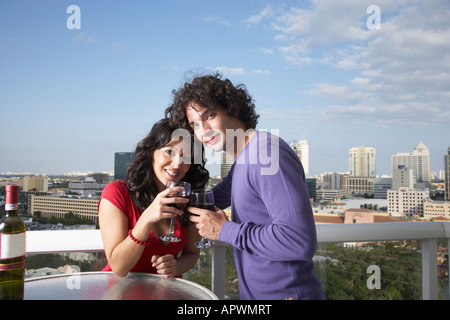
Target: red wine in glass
<point>170,237</point>
<point>203,199</point>
<point>179,206</point>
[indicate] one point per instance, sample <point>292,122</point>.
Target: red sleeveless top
<point>117,193</point>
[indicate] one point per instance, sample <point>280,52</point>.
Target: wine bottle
<point>12,249</point>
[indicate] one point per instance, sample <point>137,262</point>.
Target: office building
<point>359,186</point>
<point>417,160</point>
<point>381,187</point>
<point>121,162</point>
<point>436,209</point>
<point>226,164</point>
<point>405,202</point>
<point>312,186</point>
<point>447,175</point>
<point>36,183</point>
<point>362,162</point>
<point>403,177</point>
<point>86,188</point>
<point>333,180</point>
<point>301,148</point>
<point>332,194</point>
<point>48,206</point>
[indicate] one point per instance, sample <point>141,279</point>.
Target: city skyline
<point>78,86</point>
<point>219,169</point>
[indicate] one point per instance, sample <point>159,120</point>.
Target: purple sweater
<point>272,228</point>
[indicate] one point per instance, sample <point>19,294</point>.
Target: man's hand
<point>208,222</point>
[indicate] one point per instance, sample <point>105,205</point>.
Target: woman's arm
<point>190,253</point>
<point>122,252</point>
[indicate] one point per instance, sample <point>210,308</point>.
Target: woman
<point>134,213</point>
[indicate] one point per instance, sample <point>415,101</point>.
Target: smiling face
<point>168,164</point>
<point>210,126</point>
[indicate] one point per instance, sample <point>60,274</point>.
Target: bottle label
<point>11,207</point>
<point>12,245</point>
<point>11,266</point>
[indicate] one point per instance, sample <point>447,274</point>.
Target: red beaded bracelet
<point>142,243</point>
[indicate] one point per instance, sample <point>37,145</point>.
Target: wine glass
<point>202,198</point>
<point>170,237</point>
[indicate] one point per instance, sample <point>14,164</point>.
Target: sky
<point>76,86</point>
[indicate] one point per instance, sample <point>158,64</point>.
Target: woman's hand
<point>165,265</point>
<point>160,207</point>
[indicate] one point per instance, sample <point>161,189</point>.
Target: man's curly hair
<point>211,91</point>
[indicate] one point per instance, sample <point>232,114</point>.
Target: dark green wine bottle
<point>12,249</point>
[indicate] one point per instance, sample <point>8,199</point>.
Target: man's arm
<point>291,234</point>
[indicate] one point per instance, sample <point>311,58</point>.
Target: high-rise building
<point>403,177</point>
<point>226,164</point>
<point>121,162</point>
<point>381,187</point>
<point>447,175</point>
<point>406,203</point>
<point>417,160</point>
<point>362,162</point>
<point>333,180</point>
<point>36,183</point>
<point>311,185</point>
<point>301,148</point>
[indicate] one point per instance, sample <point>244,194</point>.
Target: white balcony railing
<point>427,233</point>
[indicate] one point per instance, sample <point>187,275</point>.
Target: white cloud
<point>291,115</point>
<point>216,19</point>
<point>84,39</point>
<point>397,74</point>
<point>237,71</point>
<point>142,71</point>
<point>172,68</point>
<point>267,51</point>
<point>257,18</point>
<point>343,94</point>
<point>326,23</point>
<point>117,46</point>
<point>407,114</point>
<point>365,84</point>
<point>258,71</point>
<point>228,70</point>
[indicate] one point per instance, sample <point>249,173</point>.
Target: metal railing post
<point>429,269</point>
<point>218,271</point>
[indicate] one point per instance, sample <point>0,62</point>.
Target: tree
<point>344,274</point>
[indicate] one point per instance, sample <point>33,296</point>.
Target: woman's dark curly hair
<point>141,179</point>
<point>211,92</point>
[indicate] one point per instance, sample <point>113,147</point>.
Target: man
<point>272,228</point>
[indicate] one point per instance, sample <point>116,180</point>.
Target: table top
<point>108,286</point>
